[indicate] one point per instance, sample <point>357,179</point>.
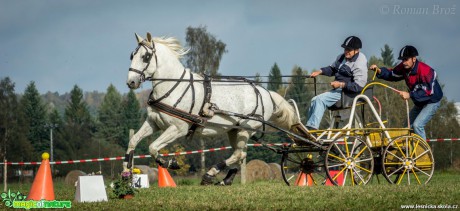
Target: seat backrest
<point>346,100</point>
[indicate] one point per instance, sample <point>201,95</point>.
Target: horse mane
<point>173,44</point>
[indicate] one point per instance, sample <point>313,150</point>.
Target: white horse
<point>158,58</point>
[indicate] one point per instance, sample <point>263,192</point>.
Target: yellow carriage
<point>356,152</point>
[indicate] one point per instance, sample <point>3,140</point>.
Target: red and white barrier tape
<point>136,156</point>
<point>172,154</point>
<point>442,139</point>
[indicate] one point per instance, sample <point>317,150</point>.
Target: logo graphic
<point>18,200</point>
<point>9,198</point>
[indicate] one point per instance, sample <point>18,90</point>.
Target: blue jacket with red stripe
<point>421,80</point>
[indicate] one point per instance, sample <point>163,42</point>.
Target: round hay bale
<point>151,173</point>
<point>257,170</point>
<point>276,170</point>
<point>72,177</point>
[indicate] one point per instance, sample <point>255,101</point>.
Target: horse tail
<point>284,114</point>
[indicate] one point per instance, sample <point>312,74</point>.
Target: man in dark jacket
<point>350,71</point>
<point>424,89</point>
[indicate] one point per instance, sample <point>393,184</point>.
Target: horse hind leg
<point>238,141</point>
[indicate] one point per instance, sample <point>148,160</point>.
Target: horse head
<point>143,62</point>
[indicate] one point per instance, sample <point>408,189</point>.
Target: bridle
<point>147,58</point>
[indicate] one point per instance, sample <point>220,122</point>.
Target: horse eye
<point>132,56</point>
<point>147,57</point>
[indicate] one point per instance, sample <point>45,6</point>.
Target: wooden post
<point>131,134</point>
<point>5,175</point>
<point>203,158</point>
<point>243,172</point>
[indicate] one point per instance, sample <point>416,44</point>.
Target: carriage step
<point>301,130</point>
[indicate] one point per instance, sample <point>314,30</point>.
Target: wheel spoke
<point>340,151</point>
<point>359,176</point>
<point>402,153</point>
<point>338,158</point>
<point>293,161</point>
<point>421,171</point>
<point>333,166</point>
<point>290,167</point>
<point>352,177</point>
<point>364,169</point>
<point>340,172</point>
<point>415,148</point>
<point>393,163</point>
<point>395,156</point>
<point>364,148</point>
<point>395,171</point>
<point>346,146</point>
<point>407,146</point>
<point>345,177</point>
<point>416,177</point>
<point>421,154</point>
<point>401,177</point>
<point>364,160</point>
<point>290,178</point>
<point>408,177</point>
<point>298,156</point>
<point>353,147</point>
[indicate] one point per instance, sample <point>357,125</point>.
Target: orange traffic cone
<point>164,179</point>
<point>42,188</point>
<point>304,180</point>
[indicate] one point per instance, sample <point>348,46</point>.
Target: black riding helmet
<point>352,42</point>
<point>407,52</point>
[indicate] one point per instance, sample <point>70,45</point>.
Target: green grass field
<point>444,188</point>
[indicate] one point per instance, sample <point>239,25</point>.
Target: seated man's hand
<point>316,73</point>
<point>337,84</point>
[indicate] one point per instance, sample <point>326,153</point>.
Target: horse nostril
<point>130,84</point>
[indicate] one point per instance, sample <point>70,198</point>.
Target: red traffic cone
<point>304,180</point>
<point>164,178</point>
<point>42,188</point>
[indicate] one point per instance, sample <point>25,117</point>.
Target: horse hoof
<point>171,164</point>
<point>228,180</point>
<point>207,179</point>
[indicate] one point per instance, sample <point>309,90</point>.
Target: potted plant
<point>123,186</point>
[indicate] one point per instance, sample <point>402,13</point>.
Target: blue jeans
<point>420,115</point>
<point>319,104</point>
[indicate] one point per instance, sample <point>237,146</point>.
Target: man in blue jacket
<point>424,89</point>
<point>350,71</point>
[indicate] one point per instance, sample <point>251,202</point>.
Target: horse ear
<point>149,37</point>
<point>138,38</point>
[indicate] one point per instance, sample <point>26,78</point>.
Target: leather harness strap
<point>153,101</point>
<point>180,114</point>
<point>207,92</point>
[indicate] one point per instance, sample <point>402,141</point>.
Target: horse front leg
<point>171,134</point>
<point>147,129</point>
<point>238,141</point>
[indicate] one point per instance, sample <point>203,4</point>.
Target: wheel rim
<point>349,161</point>
<point>301,160</point>
<point>408,160</point>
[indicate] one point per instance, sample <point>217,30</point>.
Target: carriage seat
<point>346,100</point>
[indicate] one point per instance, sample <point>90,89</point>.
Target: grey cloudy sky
<point>60,43</point>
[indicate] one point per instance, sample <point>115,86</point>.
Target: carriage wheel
<point>349,161</point>
<point>302,161</point>
<point>408,160</point>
